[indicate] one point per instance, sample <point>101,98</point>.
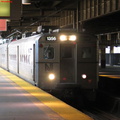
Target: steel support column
<point>103,59</point>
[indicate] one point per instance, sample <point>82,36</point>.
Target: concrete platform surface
<point>20,100</point>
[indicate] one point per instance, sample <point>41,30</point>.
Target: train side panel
<point>22,58</point>
<point>26,60</point>
<point>13,57</point>
<point>4,56</point>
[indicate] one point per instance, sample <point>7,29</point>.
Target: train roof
<point>26,39</point>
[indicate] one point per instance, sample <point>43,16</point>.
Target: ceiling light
<point>26,2</point>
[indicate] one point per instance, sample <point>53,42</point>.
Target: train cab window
<point>48,52</point>
<point>86,52</point>
<point>66,51</point>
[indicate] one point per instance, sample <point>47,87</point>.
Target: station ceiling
<point>104,24</point>
<point>40,10</point>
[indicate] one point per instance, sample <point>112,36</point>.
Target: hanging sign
<point>4,8</point>
<point>3,25</point>
<point>10,9</point>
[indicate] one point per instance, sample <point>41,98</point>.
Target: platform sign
<point>4,8</point>
<point>10,9</point>
<point>3,25</point>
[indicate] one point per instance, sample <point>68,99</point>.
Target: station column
<point>111,55</point>
<point>103,59</point>
<point>79,24</point>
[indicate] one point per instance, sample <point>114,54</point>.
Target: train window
<point>86,52</point>
<point>66,51</point>
<point>48,52</point>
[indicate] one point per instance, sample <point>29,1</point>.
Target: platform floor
<point>20,100</point>
<point>110,71</point>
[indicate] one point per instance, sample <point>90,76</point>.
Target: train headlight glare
<point>51,76</point>
<point>72,38</point>
<point>63,37</point>
<point>84,76</point>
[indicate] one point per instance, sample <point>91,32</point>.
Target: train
<point>54,59</point>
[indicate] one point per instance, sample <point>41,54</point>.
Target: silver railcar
<point>54,60</point>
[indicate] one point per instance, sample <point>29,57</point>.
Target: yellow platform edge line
<point>64,110</point>
<point>110,76</point>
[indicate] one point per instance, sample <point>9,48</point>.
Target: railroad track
<point>92,109</point>
<point>98,114</point>
<point>95,112</point>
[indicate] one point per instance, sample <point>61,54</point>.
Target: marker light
<point>64,78</point>
<point>51,76</point>
<point>63,37</point>
<point>84,76</point>
<point>72,37</point>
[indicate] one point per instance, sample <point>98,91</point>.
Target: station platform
<point>108,95</point>
<point>20,100</point>
<point>110,71</point>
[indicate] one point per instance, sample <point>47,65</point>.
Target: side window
<point>86,52</point>
<point>48,52</point>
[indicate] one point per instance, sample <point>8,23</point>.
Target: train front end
<point>66,60</point>
<point>56,59</point>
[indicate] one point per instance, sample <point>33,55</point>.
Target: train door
<point>18,59</point>
<point>7,58</point>
<point>68,63</point>
<point>33,62</point>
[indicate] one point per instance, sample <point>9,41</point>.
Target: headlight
<point>84,76</point>
<point>63,37</point>
<point>51,76</point>
<point>72,37</point>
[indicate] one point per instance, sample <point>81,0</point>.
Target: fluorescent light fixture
<point>26,2</point>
